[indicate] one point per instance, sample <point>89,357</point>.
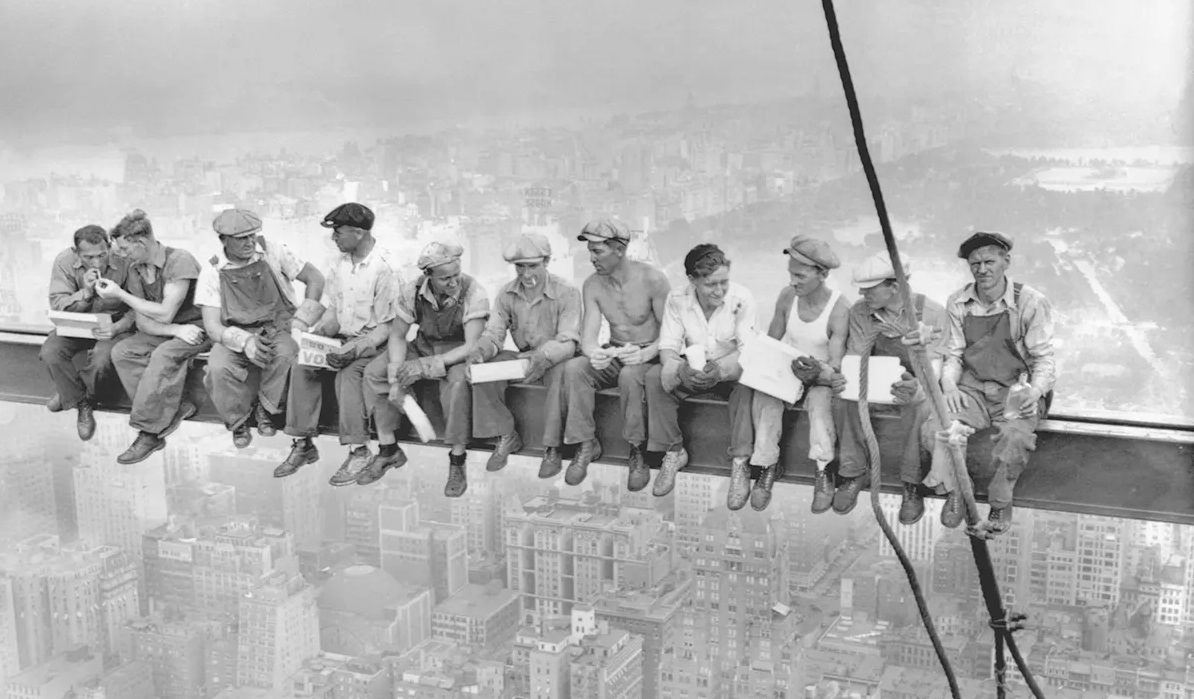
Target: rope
<point>872,446</point>
<point>928,380</point>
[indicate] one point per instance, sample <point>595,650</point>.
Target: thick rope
<point>872,446</point>
<point>928,380</point>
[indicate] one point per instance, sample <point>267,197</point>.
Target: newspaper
<point>80,325</point>
<point>313,349</point>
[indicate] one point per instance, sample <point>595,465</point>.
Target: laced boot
<point>739,483</point>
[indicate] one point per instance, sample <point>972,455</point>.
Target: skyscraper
<point>426,554</point>
<point>279,625</point>
<point>655,616</point>
<point>292,503</point>
<point>116,504</point>
<point>609,666</point>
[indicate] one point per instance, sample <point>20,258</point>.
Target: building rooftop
<point>477,601</point>
<point>366,591</point>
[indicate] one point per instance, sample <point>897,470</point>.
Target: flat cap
<point>236,222</point>
<point>600,230</point>
<point>528,247</point>
<point>437,253</point>
<point>982,240</point>
<point>812,251</point>
<point>350,214</point>
<point>876,269</point>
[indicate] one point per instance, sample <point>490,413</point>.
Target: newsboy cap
<point>982,240</point>
<point>600,230</point>
<point>436,253</point>
<point>236,223</point>
<point>528,247</point>
<point>350,214</point>
<point>877,269</point>
<point>812,251</point>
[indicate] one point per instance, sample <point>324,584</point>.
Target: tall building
<point>10,660</point>
<point>291,503</point>
<point>549,663</point>
<point>279,625</point>
<point>483,617</point>
<point>696,496</point>
<point>561,551</point>
<point>918,539</point>
<point>28,505</point>
<point>655,616</point>
<point>477,512</point>
<point>174,651</point>
<point>119,596</point>
<point>363,610</point>
<point>426,554</point>
<point>1071,559</point>
<point>609,666</point>
<point>116,504</point>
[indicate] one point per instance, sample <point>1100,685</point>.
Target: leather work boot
<point>457,477</point>
<point>388,456</point>
<point>951,513</point>
<point>85,420</point>
<point>242,436</point>
<point>186,410</point>
<point>822,492</point>
<point>739,483</point>
<point>552,463</point>
<point>357,459</point>
<point>144,445</point>
<point>302,452</point>
<point>912,506</point>
<point>506,446</point>
<point>54,405</point>
<point>638,473</point>
<point>846,496</point>
<point>999,519</point>
<point>760,496</point>
<point>265,422</point>
<point>578,468</point>
<point>665,480</point>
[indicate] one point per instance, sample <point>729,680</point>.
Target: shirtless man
<point>814,319</point>
<point>631,295</point>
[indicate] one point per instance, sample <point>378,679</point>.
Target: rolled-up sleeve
<point>494,336</point>
<point>476,304</point>
<point>404,301</point>
<point>935,316</point>
<point>1038,341</point>
<point>382,304</point>
<point>858,329</point>
<point>671,330</point>
<point>955,339</point>
<point>207,288</point>
<point>568,324</point>
<point>65,293</point>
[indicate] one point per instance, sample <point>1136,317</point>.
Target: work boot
<point>85,420</point>
<point>186,410</point>
<point>673,462</point>
<point>242,436</point>
<point>578,468</point>
<point>638,473</point>
<point>457,476</point>
<point>739,483</point>
<point>388,456</point>
<point>302,452</point>
<point>351,468</point>
<point>999,519</point>
<point>951,513</point>
<point>54,405</point>
<point>822,491</point>
<point>265,422</point>
<point>144,445</point>
<point>846,496</point>
<point>760,496</point>
<point>912,506</point>
<point>551,464</point>
<point>506,446</point>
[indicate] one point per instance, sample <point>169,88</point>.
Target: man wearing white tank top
<point>812,318</point>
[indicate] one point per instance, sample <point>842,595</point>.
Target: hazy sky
<point>164,67</point>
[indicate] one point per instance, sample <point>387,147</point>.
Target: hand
<point>806,369</point>
<point>601,359</point>
<point>408,373</point>
<point>190,334</point>
<point>396,394</point>
<point>1028,407</point>
<point>837,383</point>
<point>108,289</point>
<point>104,333</point>
<point>539,364</point>
<point>90,277</point>
<point>922,337</point>
<point>955,400</point>
<point>342,358</point>
<point>325,329</point>
<point>476,356</point>
<point>705,379</point>
<point>638,355</point>
<point>687,377</point>
<point>258,351</point>
<point>298,326</point>
<point>907,389</point>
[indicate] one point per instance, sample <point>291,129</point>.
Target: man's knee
<point>457,375</point>
<point>55,349</point>
<point>127,352</point>
<point>374,376</point>
<point>632,377</point>
<point>578,370</point>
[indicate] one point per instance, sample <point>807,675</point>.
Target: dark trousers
<point>235,383</point>
<point>1014,442</point>
<point>581,383</point>
<point>305,401</point>
<point>663,414</point>
<point>97,378</point>
<point>153,370</point>
<point>491,417</point>
<point>851,448</point>
<point>453,392</point>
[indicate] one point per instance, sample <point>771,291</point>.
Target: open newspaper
<point>313,349</point>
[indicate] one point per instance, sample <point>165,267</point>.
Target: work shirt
<point>361,293</point>
<point>285,264</point>
<point>863,323</point>
<point>148,280</point>
<point>67,286</point>
<point>722,333</point>
<point>476,304</point>
<point>549,321</point>
<point>1031,326</point>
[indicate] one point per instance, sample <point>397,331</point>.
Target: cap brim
<point>799,257</point>
<point>868,284</point>
<point>328,224</point>
<point>537,258</point>
<point>592,238</point>
<point>243,234</point>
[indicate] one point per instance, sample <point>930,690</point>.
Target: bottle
<point>1016,395</point>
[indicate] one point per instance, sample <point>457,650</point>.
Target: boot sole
<point>489,465</point>
<point>596,455</point>
<point>160,446</point>
<point>311,457</point>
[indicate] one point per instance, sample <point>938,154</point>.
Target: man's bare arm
<point>591,322</point>
<point>783,306</point>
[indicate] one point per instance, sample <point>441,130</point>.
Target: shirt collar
<point>970,293</point>
<point>551,288</point>
<point>258,252</point>
<point>730,304</point>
